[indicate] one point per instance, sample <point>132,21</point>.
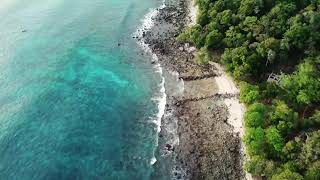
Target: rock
<point>191,49</point>
<point>168,146</point>
<point>181,48</point>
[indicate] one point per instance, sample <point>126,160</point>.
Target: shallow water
<point>77,97</point>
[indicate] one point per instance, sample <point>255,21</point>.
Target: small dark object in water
<point>24,30</point>
<point>119,44</point>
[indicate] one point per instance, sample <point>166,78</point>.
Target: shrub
<point>249,93</point>
<point>203,57</point>
<point>275,140</point>
<point>255,115</point>
<point>255,141</point>
<point>313,172</point>
<point>287,175</point>
<point>214,39</point>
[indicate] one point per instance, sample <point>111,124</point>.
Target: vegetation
<point>259,38</point>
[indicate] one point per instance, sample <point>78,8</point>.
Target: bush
<point>250,7</point>
<point>275,140</point>
<point>193,34</point>
<point>203,57</point>
<point>291,165</point>
<point>255,115</point>
<point>287,175</point>
<point>313,172</point>
<point>213,39</point>
<point>292,150</point>
<point>284,118</point>
<point>313,121</point>
<point>303,86</point>
<point>311,149</point>
<point>240,62</point>
<point>234,38</point>
<point>249,93</point>
<point>256,165</point>
<point>202,17</point>
<point>259,166</point>
<point>255,141</point>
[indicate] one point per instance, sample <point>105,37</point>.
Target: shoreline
<point>147,24</point>
<point>208,136</point>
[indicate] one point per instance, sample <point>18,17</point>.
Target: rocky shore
<point>208,113</point>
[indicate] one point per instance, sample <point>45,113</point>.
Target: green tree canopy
<point>303,86</point>
<point>255,115</point>
<point>255,141</point>
<point>311,149</point>
<point>287,175</point>
<point>275,140</point>
<point>249,93</point>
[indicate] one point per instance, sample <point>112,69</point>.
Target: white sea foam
<point>178,82</point>
<point>161,99</point>
<point>153,160</point>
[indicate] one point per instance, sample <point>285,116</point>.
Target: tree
<point>203,57</point>
<point>260,166</point>
<point>255,141</point>
<point>283,117</point>
<point>202,17</point>
<point>298,33</point>
<point>213,26</point>
<point>193,34</point>
<point>252,27</point>
<point>313,19</point>
<point>249,93</point>
<point>269,49</point>
<point>255,115</point>
<point>303,86</point>
<point>250,7</point>
<point>287,175</point>
<point>275,140</point>
<point>234,38</point>
<point>313,172</point>
<point>311,149</point>
<point>275,21</point>
<point>240,62</point>
<point>292,149</point>
<point>214,39</point>
<point>291,165</point>
<point>313,121</point>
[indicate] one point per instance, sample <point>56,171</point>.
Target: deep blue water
<point>75,90</point>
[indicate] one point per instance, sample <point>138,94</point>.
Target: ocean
<point>79,96</point>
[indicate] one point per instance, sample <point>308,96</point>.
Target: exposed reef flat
<point>209,134</point>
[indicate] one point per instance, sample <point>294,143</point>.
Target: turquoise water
<point>76,93</point>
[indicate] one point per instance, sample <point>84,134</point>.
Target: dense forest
<point>272,49</point>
